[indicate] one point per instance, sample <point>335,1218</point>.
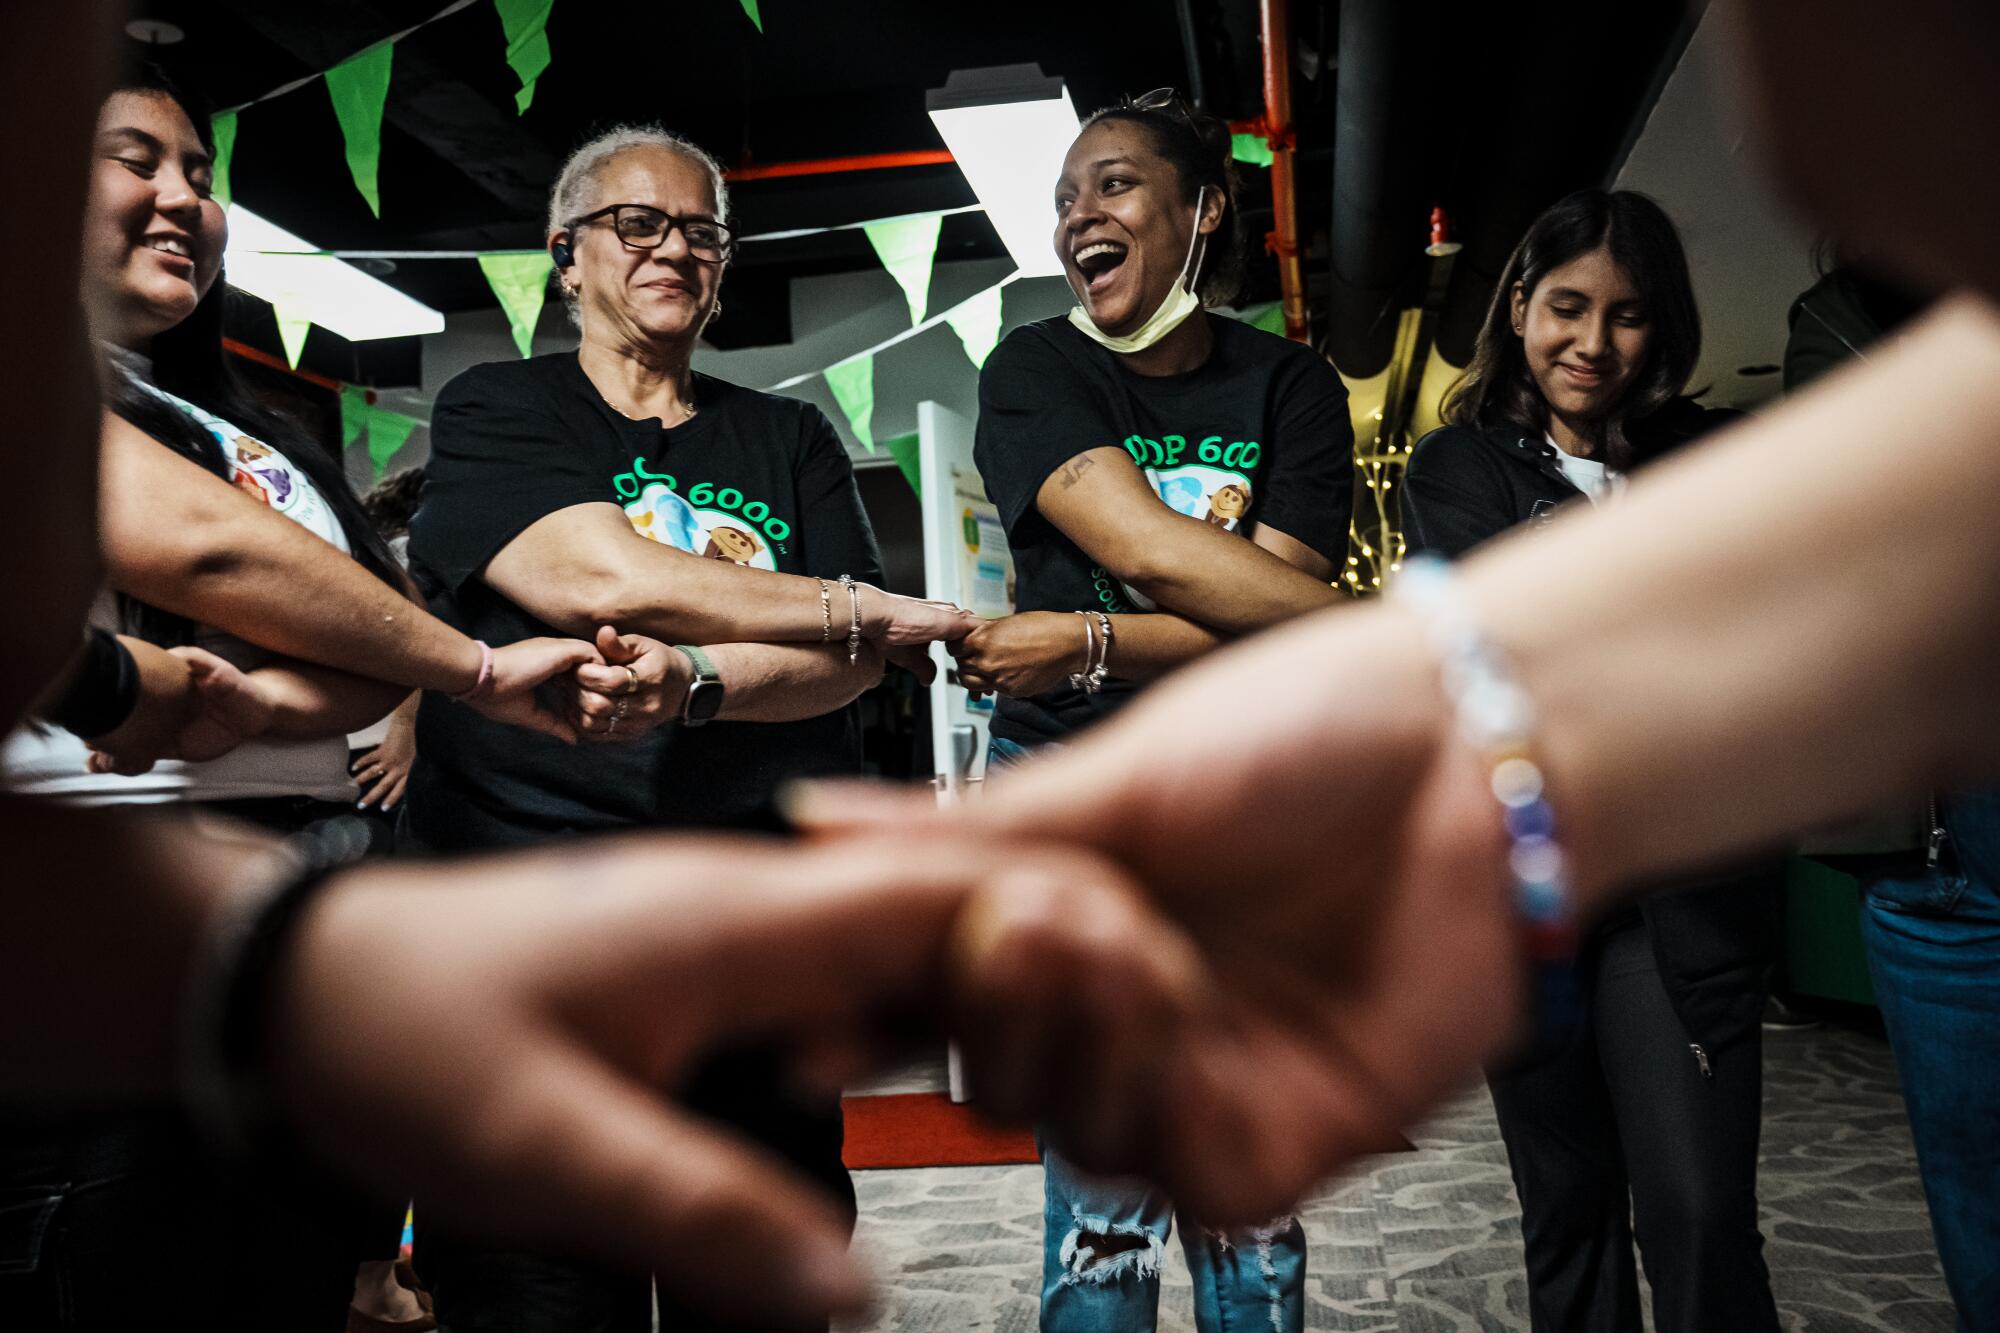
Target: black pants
<point>1623,1131</point>
<point>125,1222</point>
<point>482,1289</point>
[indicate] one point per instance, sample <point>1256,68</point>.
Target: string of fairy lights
<point>1375,545</point>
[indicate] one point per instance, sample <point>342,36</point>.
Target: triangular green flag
<point>292,331</point>
<point>1251,148</point>
<point>387,432</point>
<point>907,247</point>
<point>976,321</point>
<point>525,23</point>
<point>353,414</point>
<point>904,450</point>
<point>521,281</point>
<point>853,385</point>
<point>1272,320</point>
<point>222,127</point>
<point>750,8</point>
<point>359,86</point>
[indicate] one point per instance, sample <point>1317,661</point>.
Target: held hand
<point>1299,804</point>
<point>192,706</point>
<point>518,670</point>
<point>894,620</point>
<point>383,773</point>
<point>1021,656</point>
<point>640,685</point>
<point>499,1048</point>
<point>914,659</point>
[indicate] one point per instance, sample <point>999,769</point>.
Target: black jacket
<point>1714,935</point>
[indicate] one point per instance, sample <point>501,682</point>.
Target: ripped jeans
<point>1102,1243</point>
<point>1103,1239</point>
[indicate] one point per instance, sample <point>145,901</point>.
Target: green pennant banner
<point>904,450</point>
<point>387,432</point>
<point>359,86</point>
<point>526,23</point>
<point>1272,320</point>
<point>222,128</point>
<point>292,330</point>
<point>853,385</point>
<point>353,414</point>
<point>521,282</point>
<point>976,321</point>
<point>907,247</point>
<point>750,8</point>
<point>1250,148</point>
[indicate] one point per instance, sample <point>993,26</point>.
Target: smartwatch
<point>705,691</point>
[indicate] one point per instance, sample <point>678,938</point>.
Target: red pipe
<point>829,166</point>
<point>263,358</point>
<point>1277,130</point>
<point>919,157</point>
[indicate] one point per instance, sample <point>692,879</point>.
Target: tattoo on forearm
<point>1069,472</point>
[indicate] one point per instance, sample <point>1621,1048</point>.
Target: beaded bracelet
<point>1496,717</point>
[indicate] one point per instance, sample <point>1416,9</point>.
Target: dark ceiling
<point>1493,109</point>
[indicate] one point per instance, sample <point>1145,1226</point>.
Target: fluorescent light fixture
<point>296,277</point>
<point>1009,127</point>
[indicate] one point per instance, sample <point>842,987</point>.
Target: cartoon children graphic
<point>252,470</point>
<point>730,543</point>
<point>1229,504</point>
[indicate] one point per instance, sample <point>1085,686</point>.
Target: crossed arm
<point>181,539</point>
<point>582,569</point>
<point>1211,585</point>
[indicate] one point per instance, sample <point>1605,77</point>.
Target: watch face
<point>704,701</point>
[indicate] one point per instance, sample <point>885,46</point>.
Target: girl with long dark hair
<point>1643,1121</point>
<point>222,527</point>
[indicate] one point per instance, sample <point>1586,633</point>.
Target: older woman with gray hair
<point>711,540</point>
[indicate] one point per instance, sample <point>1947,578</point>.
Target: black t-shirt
<point>753,478</point>
<point>1259,433</point>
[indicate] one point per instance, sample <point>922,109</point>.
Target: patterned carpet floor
<point>1430,1242</point>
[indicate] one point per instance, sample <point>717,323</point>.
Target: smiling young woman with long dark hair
<point>1646,1118</point>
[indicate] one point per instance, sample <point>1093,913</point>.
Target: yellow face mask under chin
<point>1174,310</point>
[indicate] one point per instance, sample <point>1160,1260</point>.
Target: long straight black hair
<point>1497,392</point>
<point>189,362</point>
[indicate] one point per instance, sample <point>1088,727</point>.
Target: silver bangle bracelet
<point>854,621</point>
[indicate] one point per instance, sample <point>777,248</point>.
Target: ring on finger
<point>631,681</point>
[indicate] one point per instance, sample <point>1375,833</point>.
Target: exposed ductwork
<point>1374,232</point>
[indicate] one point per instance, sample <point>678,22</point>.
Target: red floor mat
<point>926,1129</point>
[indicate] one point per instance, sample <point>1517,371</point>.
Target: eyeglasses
<point>641,227</point>
<point>1162,99</point>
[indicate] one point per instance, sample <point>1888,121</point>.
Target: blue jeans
<point>1102,1242</point>
<point>1103,1239</point>
<point>1934,953</point>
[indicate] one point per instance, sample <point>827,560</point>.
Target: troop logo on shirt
<point>1210,494</point>
<point>1210,481</point>
<point>717,524</point>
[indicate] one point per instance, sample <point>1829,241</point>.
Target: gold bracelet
<point>825,612</point>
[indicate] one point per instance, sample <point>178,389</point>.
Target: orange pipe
<point>1277,129</point>
<point>830,166</point>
